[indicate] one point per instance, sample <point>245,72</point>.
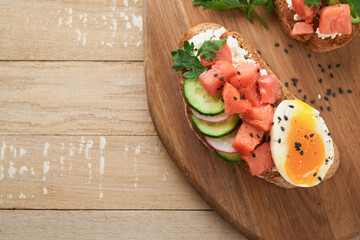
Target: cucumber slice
<point>199,99</point>
<point>216,129</point>
<point>231,157</point>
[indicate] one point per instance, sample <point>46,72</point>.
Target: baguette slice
<point>269,175</point>
<point>309,41</point>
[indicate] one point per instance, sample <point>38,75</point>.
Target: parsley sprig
<point>184,57</point>
<point>246,7</point>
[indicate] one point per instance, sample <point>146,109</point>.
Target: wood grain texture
<point>89,98</point>
<point>71,30</point>
<point>256,208</point>
<point>91,172</point>
<point>114,225</point>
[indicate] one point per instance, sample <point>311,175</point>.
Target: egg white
<point>279,151</point>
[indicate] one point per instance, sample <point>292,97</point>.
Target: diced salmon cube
<point>246,75</point>
<point>259,160</point>
<point>269,89</point>
<point>251,94</point>
<point>247,138</point>
<point>214,79</point>
<point>301,28</point>
<point>232,101</point>
<point>335,19</point>
<point>260,117</point>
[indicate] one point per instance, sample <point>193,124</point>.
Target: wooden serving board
<point>256,208</point>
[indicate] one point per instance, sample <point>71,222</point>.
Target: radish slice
<point>216,118</point>
<point>223,144</point>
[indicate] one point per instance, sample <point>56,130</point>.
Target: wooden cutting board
<point>256,208</point>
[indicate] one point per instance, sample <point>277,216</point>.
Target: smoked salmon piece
<point>335,19</point>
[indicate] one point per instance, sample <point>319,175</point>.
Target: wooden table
<point>79,156</point>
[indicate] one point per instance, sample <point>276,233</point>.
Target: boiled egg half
<point>301,145</point>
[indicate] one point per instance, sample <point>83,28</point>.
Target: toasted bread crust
<point>269,175</point>
<point>309,41</point>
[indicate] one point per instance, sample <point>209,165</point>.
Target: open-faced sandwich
<point>319,25</point>
<point>237,107</point>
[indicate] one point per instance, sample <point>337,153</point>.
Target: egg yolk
<point>306,152</point>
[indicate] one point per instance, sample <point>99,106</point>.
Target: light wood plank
<point>69,30</point>
<point>91,98</point>
<point>91,172</point>
<point>114,225</point>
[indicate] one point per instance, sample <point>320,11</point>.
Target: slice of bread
<point>269,175</point>
<point>309,41</point>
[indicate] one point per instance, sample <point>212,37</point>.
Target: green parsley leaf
<point>185,59</point>
<point>207,49</point>
<point>246,6</point>
<point>310,3</point>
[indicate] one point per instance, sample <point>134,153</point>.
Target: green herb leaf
<point>246,6</point>
<point>185,59</point>
<point>219,5</point>
<point>310,3</point>
<point>207,49</point>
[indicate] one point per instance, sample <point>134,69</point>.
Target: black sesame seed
<point>258,70</point>
<point>304,97</point>
<point>331,75</point>
<point>290,46</point>
<point>338,65</point>
<point>311,135</point>
<point>221,79</point>
<point>222,100</point>
<point>257,135</point>
<point>282,129</point>
<point>319,65</point>
<point>301,152</point>
<point>329,67</point>
<point>328,108</point>
<point>329,134</point>
<point>341,91</point>
<point>291,106</point>
<point>349,91</point>
<point>320,80</point>
<point>253,155</point>
<point>309,55</point>
<point>286,51</point>
<point>286,118</point>
<point>320,179</point>
<point>312,101</point>
<point>279,141</point>
<point>277,44</point>
<point>251,134</point>
<point>286,84</point>
<point>215,75</point>
<point>322,70</point>
<point>334,95</point>
<point>258,52</point>
<point>279,118</point>
<point>321,108</point>
<point>328,91</point>
<point>235,98</point>
<point>314,174</point>
<point>326,98</point>
<point>299,90</point>
<point>238,72</point>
